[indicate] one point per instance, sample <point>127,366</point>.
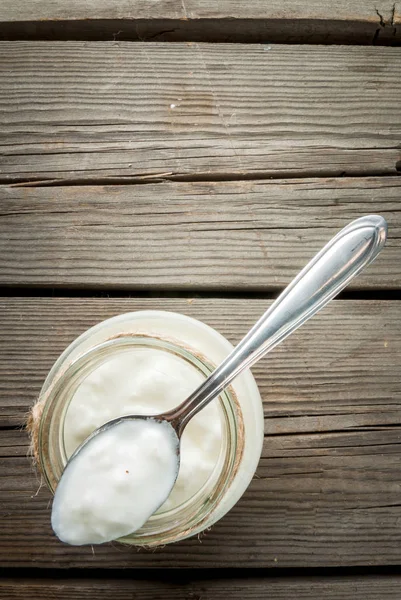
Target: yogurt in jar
<point>221,445</point>
<point>148,381</point>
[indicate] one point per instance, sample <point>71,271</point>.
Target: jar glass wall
<point>201,348</point>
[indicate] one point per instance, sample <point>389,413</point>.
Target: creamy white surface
<point>149,381</point>
<point>115,482</point>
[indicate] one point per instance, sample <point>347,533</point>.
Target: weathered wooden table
<point>146,165</point>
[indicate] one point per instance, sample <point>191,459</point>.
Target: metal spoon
<point>344,257</point>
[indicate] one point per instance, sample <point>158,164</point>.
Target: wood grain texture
<point>327,488</point>
<point>226,235</point>
<point>197,9</point>
<point>316,503</point>
<point>340,371</point>
<point>74,111</point>
<point>317,21</point>
<point>278,588</point>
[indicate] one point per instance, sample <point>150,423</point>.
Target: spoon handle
<point>344,257</point>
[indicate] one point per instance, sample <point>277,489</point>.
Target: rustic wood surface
<point>327,489</point>
<point>315,21</point>
<point>343,10</point>
<point>85,118</point>
<point>78,111</point>
<point>246,235</point>
<point>277,588</point>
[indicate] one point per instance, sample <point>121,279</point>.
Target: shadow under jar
<point>176,353</point>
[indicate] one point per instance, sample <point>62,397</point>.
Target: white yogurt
<point>115,482</point>
<point>210,434</point>
<point>147,381</point>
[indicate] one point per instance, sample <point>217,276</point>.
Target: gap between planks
<point>51,292</point>
<point>194,177</point>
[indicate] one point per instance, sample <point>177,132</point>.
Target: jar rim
<point>185,519</point>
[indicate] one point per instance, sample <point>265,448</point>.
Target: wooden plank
<point>327,488</point>
<point>317,21</point>
<point>340,371</point>
<point>316,504</point>
<point>222,235</point>
<point>191,588</point>
<point>76,111</point>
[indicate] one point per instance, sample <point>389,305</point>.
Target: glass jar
<point>202,348</point>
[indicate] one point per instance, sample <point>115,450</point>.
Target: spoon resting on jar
<point>125,470</point>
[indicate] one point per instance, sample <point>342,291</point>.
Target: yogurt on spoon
<point>116,482</point>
